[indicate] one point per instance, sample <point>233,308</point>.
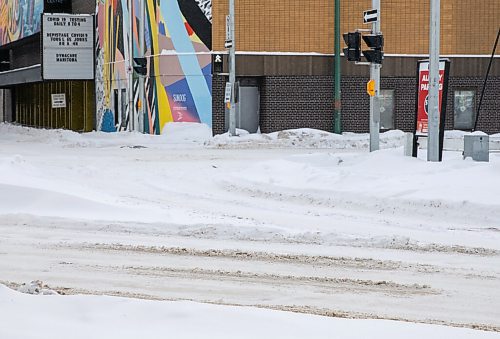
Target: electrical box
<point>477,147</point>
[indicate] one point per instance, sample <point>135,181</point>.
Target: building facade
<point>284,65</point>
<point>25,97</point>
<point>286,53</point>
<point>178,42</point>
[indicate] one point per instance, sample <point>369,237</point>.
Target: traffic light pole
<point>232,71</point>
<point>374,100</point>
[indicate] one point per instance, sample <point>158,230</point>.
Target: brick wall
<point>218,110</point>
<point>356,103</point>
<point>296,102</point>
<point>307,102</point>
<point>489,117</point>
<point>84,6</point>
<point>307,25</point>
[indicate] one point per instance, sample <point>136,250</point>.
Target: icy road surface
<point>328,231</point>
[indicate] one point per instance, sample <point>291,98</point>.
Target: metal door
<point>247,114</point>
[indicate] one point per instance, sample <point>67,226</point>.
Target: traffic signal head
<point>376,44</point>
<point>352,39</point>
<point>374,41</point>
<point>353,42</point>
<point>374,56</point>
<point>140,66</point>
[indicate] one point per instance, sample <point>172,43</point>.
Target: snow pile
<point>61,317</point>
<point>36,287</point>
<point>305,138</point>
<point>173,134</point>
<point>195,134</point>
<point>454,140</point>
<point>386,173</point>
<point>186,133</point>
<point>41,173</point>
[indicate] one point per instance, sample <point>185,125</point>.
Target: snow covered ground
<point>34,317</point>
<point>299,220</point>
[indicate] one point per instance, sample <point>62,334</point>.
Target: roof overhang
<point>21,76</point>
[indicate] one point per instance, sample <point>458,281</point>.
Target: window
<point>464,109</point>
<point>386,109</point>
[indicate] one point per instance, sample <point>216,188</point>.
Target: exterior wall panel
<point>307,101</point>
<point>468,26</point>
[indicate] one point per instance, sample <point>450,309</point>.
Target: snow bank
<point>60,317</point>
<point>383,174</point>
<point>185,133</point>
<point>195,134</point>
<point>305,138</point>
<point>43,174</point>
<point>173,134</point>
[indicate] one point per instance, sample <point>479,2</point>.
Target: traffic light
<point>376,44</point>
<point>353,42</point>
<point>140,66</point>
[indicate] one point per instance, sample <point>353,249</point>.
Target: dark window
<point>386,109</point>
<point>464,109</point>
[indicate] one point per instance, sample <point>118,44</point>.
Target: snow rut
<point>330,261</point>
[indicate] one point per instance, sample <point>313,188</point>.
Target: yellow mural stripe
<point>164,111</point>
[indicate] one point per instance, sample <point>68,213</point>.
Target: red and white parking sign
<point>423,95</point>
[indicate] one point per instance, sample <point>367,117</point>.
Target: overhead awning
<point>21,76</point>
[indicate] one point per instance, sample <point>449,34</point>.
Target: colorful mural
<point>178,44</point>
<point>19,19</point>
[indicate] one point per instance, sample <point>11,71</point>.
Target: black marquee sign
<point>57,6</point>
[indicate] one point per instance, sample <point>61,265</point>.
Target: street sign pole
<point>232,69</point>
<point>374,100</point>
<point>433,110</point>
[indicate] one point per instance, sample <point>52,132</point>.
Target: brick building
<point>284,64</point>
<point>286,51</point>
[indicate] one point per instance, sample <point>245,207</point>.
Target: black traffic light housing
<point>140,66</point>
<point>353,42</point>
<point>376,44</point>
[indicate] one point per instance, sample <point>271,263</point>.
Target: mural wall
<point>19,19</point>
<point>178,44</point>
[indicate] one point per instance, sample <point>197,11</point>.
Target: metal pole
<point>337,120</point>
<point>130,87</point>
<point>232,71</point>
<point>433,105</point>
<point>486,80</point>
<point>374,100</point>
<point>142,84</point>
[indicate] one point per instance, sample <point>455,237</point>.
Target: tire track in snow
<point>330,261</point>
<point>287,308</point>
